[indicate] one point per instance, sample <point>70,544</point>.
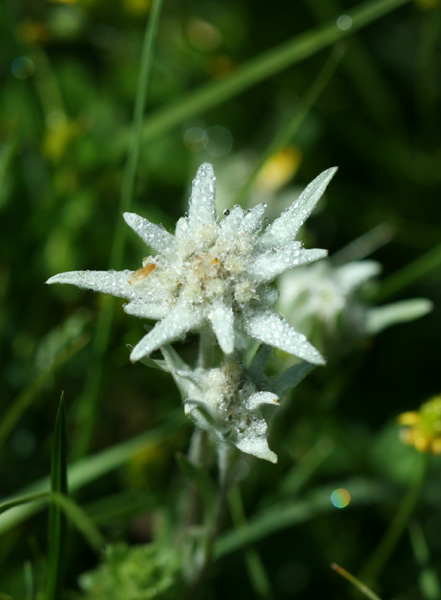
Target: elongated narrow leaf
<point>200,478</point>
<point>72,511</point>
<point>5,506</point>
<point>287,514</point>
<point>86,471</point>
<point>256,70</point>
<point>21,403</point>
<point>57,546</point>
<point>78,518</point>
<point>29,581</point>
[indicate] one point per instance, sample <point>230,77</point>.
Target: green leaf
<point>5,506</point>
<point>88,402</point>
<point>79,519</point>
<point>22,402</point>
<point>86,471</point>
<point>288,129</point>
<point>415,270</point>
<point>199,476</point>
<point>29,581</point>
<point>71,510</point>
<point>428,578</point>
<point>355,582</point>
<point>281,515</point>
<point>57,546</point>
<point>291,377</point>
<point>256,70</point>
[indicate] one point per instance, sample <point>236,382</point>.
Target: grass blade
<point>57,546</point>
<point>78,518</point>
<point>71,510</point>
<point>255,565</point>
<point>428,577</point>
<point>410,273</point>
<point>286,514</point>
<point>355,582</point>
<point>257,70</point>
<point>87,470</point>
<point>22,402</point>
<point>29,581</point>
<point>289,129</point>
<point>5,506</point>
<point>87,406</point>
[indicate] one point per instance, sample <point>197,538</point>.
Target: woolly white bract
<point>215,272</point>
<point>327,303</point>
<point>231,401</point>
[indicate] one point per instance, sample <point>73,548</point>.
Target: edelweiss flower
<point>229,401</point>
<point>327,303</point>
<point>215,272</point>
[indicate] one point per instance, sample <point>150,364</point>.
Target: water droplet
<point>226,212</point>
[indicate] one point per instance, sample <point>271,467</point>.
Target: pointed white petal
<point>146,310</point>
<point>269,264</point>
<point>381,317</point>
<point>232,222</point>
<point>181,230</point>
<point>187,380</point>
<point>253,440</point>
<point>253,219</point>
<point>288,224</point>
<point>260,399</point>
<point>270,328</point>
<point>221,318</point>
<point>354,274</point>
<point>108,282</point>
<point>153,235</point>
<point>174,326</point>
<point>202,209</point>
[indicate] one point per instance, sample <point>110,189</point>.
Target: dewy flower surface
<point>214,271</point>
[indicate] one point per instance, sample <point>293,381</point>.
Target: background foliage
<point>69,78</point>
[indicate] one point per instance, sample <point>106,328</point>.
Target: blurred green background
<point>69,72</point>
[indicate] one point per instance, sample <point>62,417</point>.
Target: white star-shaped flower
<point>229,401</point>
<point>214,271</point>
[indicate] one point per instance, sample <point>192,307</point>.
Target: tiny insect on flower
<point>141,274</point>
<point>215,273</point>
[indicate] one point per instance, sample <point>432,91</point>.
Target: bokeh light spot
<point>220,141</point>
<point>344,22</point>
<point>195,138</point>
<point>340,498</point>
<point>22,67</point>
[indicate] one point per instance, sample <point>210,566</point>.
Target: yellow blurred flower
<point>59,135</point>
<point>427,4</point>
<point>33,32</point>
<point>219,66</point>
<point>137,8</point>
<point>279,169</point>
<point>422,428</point>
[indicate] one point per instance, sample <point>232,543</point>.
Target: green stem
<point>258,69</point>
<point>227,460</point>
<point>382,553</point>
<point>87,408</point>
<point>410,273</point>
<point>255,566</point>
<point>289,129</point>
